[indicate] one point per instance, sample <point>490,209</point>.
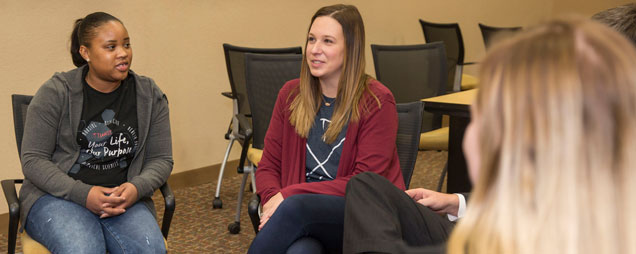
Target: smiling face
<point>109,55</point>
<point>325,49</point>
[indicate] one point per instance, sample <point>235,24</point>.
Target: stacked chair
<point>407,139</point>
<point>265,75</point>
<point>491,33</point>
<point>20,105</point>
<point>451,35</point>
<point>235,62</point>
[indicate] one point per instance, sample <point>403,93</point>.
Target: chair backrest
<point>235,63</point>
<point>20,106</point>
<point>412,73</point>
<point>408,137</point>
<point>451,35</point>
<point>265,75</point>
<point>489,33</point>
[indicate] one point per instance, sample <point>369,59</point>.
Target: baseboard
<point>201,175</point>
<point>178,180</point>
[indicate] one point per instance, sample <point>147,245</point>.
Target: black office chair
<point>235,63</point>
<point>412,73</point>
<point>265,76</point>
<point>407,140</point>
<point>408,137</point>
<point>415,72</point>
<point>491,34</point>
<point>20,105</point>
<point>451,35</point>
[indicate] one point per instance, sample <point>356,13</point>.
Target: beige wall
<point>586,7</point>
<point>178,43</point>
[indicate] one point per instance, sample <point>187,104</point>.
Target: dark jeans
<point>303,216</point>
<point>380,218</point>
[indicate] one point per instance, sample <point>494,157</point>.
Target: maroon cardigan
<point>369,146</point>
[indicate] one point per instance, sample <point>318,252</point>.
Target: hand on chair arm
<point>270,208</point>
<point>441,203</point>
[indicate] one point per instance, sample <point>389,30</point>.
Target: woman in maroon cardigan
<point>329,125</point>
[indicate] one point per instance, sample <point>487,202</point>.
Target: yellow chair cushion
<point>434,140</point>
<point>30,246</point>
<point>254,155</point>
<point>469,82</point>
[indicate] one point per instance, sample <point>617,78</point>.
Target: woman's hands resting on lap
<point>441,203</point>
<point>108,202</point>
<point>269,208</point>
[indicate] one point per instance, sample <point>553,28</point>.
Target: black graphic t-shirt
<point>107,135</point>
<point>322,159</point>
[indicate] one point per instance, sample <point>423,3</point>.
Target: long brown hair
<point>352,84</point>
<point>557,136</point>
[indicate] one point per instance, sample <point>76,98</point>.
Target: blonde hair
<point>353,81</point>
<point>557,122</point>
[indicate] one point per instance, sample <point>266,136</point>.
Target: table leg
<point>458,180</point>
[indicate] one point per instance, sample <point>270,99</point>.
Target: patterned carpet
<point>197,228</point>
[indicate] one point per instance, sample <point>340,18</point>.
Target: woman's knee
<point>63,225</point>
<point>306,245</point>
<point>294,204</point>
<point>134,231</point>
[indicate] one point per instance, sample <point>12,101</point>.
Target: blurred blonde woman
<point>551,149</point>
<point>556,124</point>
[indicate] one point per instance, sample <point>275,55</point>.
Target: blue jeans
<point>66,227</point>
<point>300,216</point>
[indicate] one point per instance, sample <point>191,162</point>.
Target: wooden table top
<point>455,104</point>
<point>463,97</point>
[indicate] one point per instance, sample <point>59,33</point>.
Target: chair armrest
<point>169,210</point>
<point>252,210</point>
<point>8,186</point>
<point>244,125</point>
<point>228,94</point>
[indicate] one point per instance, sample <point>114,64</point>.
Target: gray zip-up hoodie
<point>49,145</point>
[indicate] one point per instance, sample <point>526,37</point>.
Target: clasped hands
<point>108,202</point>
<point>441,203</point>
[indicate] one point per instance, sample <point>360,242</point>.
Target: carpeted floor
<point>197,228</point>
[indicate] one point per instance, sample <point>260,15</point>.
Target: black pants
<point>379,217</point>
<point>299,217</point>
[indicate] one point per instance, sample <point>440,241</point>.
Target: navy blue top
<point>322,159</point>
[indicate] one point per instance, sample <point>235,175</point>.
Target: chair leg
<point>217,203</point>
<point>235,227</point>
<point>457,84</point>
<point>13,234</point>
<point>253,179</point>
<point>169,209</point>
<point>254,211</point>
<point>442,177</point>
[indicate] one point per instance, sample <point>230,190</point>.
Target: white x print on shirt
<point>320,164</point>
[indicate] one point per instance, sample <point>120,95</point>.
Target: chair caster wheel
<point>217,203</point>
<point>234,227</point>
